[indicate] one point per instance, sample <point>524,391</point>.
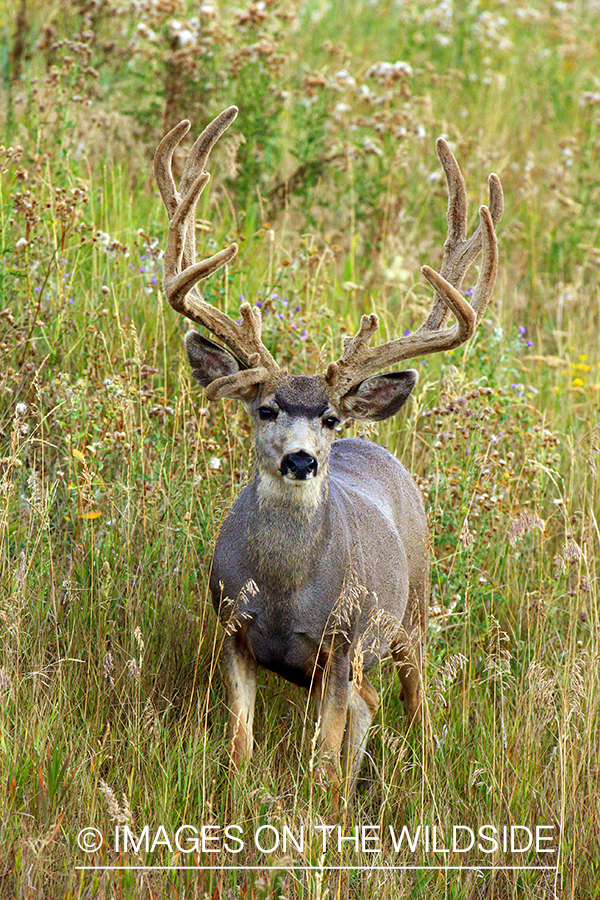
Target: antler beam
<point>358,360</point>
<point>182,272</point>
<point>459,252</point>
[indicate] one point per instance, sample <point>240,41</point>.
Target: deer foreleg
<point>333,696</point>
<point>239,668</point>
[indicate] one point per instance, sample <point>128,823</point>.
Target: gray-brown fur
<point>337,565</point>
<point>321,567</point>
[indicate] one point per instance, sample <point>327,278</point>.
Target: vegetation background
<point>115,472</point>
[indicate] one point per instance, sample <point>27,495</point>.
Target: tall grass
<point>115,473</point>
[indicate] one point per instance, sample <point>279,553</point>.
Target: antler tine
<point>359,361</point>
<point>181,270</point>
<point>195,166</point>
<point>163,165</point>
<point>489,261</point>
<point>459,253</point>
<point>199,153</point>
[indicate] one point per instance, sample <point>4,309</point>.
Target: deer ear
<point>379,397</point>
<point>219,372</point>
<point>208,360</point>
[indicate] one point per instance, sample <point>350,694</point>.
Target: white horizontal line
<point>316,868</point>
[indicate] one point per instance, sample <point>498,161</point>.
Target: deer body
<point>321,567</point>
<point>300,559</point>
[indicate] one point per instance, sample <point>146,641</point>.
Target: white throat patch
<point>286,491</point>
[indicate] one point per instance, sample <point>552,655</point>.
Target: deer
<point>321,567</point>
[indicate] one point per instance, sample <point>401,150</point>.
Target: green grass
<point>115,472</point>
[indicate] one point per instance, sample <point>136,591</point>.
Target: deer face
<point>296,416</point>
<point>294,425</point>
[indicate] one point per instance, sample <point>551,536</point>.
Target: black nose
<point>299,465</point>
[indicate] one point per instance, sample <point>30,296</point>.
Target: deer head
<point>241,367</point>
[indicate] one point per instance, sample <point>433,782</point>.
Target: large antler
<point>181,271</point>
<point>358,360</point>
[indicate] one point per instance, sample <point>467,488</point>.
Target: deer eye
<point>330,422</point>
<point>266,413</point>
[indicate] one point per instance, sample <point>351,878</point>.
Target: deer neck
<point>287,528</point>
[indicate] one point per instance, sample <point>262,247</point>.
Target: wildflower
<point>589,98</point>
<point>385,71</point>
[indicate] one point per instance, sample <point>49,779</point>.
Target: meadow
<point>115,471</point>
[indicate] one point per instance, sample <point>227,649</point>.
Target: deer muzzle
<point>299,466</point>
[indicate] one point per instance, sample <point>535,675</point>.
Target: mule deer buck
<point>321,567</point>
